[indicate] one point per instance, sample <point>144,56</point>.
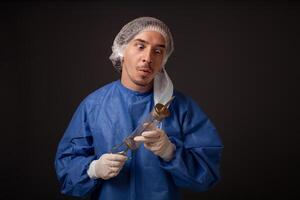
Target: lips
<point>145,70</point>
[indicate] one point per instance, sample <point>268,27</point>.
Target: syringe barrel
<point>158,113</point>
<point>149,121</point>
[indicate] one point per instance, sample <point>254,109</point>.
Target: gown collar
<point>132,92</point>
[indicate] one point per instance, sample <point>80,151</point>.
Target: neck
<point>135,86</point>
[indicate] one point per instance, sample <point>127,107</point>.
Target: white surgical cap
<point>131,29</point>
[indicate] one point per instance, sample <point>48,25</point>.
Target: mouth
<point>144,70</point>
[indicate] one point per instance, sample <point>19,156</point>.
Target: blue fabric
<point>111,113</point>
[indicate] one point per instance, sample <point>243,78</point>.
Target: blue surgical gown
<point>105,117</point>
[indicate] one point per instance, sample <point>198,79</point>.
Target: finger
<point>117,157</point>
<point>149,145</point>
<point>153,146</point>
<point>151,140</point>
<point>114,169</point>
<point>146,140</point>
<point>151,134</point>
<point>139,139</point>
<point>115,163</point>
<point>106,177</point>
<point>113,174</point>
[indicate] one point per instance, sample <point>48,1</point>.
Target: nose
<point>147,57</point>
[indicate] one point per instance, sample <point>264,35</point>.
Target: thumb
<point>139,139</point>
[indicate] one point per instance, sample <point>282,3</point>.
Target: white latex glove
<point>157,141</point>
<point>107,166</point>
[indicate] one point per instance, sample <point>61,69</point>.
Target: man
<point>183,151</point>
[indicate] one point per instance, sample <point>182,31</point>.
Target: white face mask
<point>163,87</point>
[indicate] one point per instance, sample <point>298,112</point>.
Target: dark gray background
<point>239,61</point>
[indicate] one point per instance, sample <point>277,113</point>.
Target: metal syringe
<point>158,113</point>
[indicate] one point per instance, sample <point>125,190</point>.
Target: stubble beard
<point>142,83</point>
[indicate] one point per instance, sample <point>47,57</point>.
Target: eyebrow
<point>143,41</point>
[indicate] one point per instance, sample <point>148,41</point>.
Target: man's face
<point>143,57</point>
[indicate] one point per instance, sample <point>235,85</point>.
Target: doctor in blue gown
<point>183,151</point>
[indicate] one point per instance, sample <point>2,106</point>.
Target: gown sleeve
<point>74,154</point>
<point>198,151</point>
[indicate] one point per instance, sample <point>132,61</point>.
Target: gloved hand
<point>157,141</point>
<point>107,166</point>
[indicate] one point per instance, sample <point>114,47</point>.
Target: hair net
<point>134,27</point>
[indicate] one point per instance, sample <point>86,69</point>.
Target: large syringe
<point>158,113</point>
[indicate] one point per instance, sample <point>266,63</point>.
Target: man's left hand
<point>157,141</point>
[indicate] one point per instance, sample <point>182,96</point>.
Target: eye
<point>158,51</point>
<point>141,46</point>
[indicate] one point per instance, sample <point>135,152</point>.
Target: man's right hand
<point>108,165</point>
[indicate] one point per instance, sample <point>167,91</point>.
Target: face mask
<point>163,87</point>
